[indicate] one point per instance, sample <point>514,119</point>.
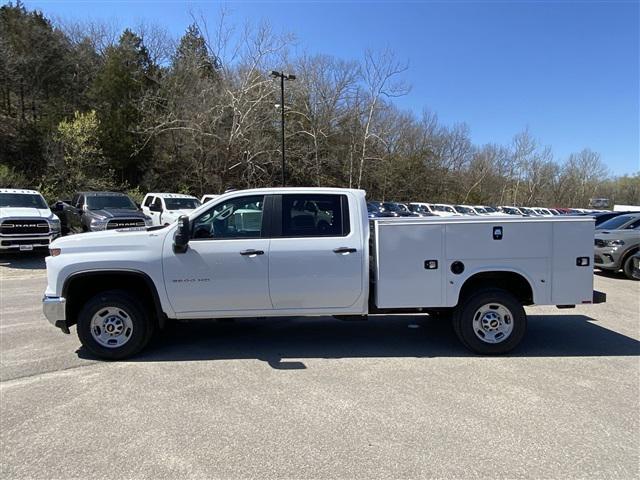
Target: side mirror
<point>56,207</point>
<point>181,238</point>
<point>155,208</point>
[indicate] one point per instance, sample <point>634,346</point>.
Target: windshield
<point>372,208</point>
<point>480,209</point>
<point>102,202</point>
<point>465,210</point>
<point>181,203</point>
<point>443,208</point>
<point>528,211</point>
<point>22,200</point>
<point>615,222</point>
<point>490,210</point>
<point>510,211</point>
<point>418,208</point>
<point>392,207</point>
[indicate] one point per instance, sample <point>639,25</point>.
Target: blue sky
<point>569,71</point>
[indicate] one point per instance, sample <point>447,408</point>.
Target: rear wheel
<point>490,322</point>
<point>113,325</point>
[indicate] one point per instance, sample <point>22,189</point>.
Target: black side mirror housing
<point>155,208</point>
<point>181,238</point>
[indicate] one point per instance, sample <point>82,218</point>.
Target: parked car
<point>398,208</point>
<point>464,210</point>
<point>26,222</point>
<point>444,210</point>
<point>95,211</point>
<point>166,208</point>
<point>208,197</point>
<point>423,209</point>
<point>509,210</point>
<point>614,249</point>
<point>376,210</point>
<point>279,265</point>
<point>486,210</point>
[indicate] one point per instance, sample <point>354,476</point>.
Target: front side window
<point>23,200</point>
<point>234,218</point>
<point>148,201</point>
<point>315,216</point>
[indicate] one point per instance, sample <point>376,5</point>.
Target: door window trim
<point>276,217</point>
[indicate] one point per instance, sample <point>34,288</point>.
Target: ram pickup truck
<point>254,253</point>
<point>96,211</point>
<point>26,223</point>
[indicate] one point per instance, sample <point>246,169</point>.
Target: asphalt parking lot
<point>322,398</point>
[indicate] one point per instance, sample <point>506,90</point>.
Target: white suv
<point>25,220</point>
<point>166,208</point>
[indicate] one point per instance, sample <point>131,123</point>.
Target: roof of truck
<point>92,194</point>
<point>19,190</point>
<point>169,195</point>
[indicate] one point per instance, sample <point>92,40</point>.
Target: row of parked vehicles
<point>420,209</point>
<point>27,222</point>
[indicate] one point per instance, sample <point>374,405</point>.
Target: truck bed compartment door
<point>409,265</point>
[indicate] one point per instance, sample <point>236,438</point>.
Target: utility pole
<point>282,76</point>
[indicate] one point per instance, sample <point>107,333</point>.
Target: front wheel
<point>490,322</point>
<point>113,325</point>
<point>627,268</point>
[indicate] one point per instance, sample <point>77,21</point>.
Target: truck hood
<point>115,213</point>
<point>110,240</point>
<point>6,212</point>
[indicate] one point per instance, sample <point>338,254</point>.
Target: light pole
<point>282,76</point>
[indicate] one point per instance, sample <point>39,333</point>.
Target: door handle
<point>252,252</point>
<point>344,250</point>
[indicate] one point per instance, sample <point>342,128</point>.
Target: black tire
<point>142,325</point>
<point>627,267</point>
<point>463,321</point>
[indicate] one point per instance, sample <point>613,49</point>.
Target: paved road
<point>390,398</point>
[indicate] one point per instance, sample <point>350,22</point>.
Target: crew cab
<point>166,208</point>
<point>26,222</point>
<point>95,211</point>
<point>256,253</point>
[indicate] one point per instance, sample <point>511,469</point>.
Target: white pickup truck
<point>26,222</point>
<point>253,253</point>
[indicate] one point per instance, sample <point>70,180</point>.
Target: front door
<point>225,268</point>
<point>316,257</point>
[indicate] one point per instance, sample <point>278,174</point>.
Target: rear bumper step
<point>599,297</point>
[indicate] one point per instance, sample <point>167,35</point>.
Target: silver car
<point>616,241</point>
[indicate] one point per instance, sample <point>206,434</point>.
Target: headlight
<point>98,224</point>
<point>614,243</point>
<point>54,224</point>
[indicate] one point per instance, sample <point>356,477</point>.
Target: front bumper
<point>18,242</point>
<point>607,258</point>
<point>54,309</point>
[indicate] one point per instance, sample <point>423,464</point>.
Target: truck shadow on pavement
<point>275,341</point>
<point>24,260</point>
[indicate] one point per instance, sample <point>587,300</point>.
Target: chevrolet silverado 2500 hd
<point>255,253</point>
<point>25,221</point>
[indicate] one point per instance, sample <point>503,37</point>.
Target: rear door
<point>316,254</point>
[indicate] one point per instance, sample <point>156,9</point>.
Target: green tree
<point>81,164</point>
<point>117,92</point>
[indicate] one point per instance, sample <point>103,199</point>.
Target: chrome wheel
<point>111,327</point>
<point>493,323</point>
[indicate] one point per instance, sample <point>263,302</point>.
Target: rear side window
<point>315,215</point>
<point>148,201</point>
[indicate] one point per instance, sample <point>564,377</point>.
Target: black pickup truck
<point>94,211</point>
